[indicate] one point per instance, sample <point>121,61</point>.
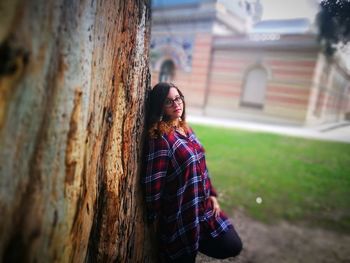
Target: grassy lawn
<point>299,180</point>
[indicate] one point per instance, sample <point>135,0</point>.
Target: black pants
<point>224,246</point>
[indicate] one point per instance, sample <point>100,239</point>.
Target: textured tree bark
<point>73,81</point>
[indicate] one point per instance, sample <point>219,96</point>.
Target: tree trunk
<point>73,80</point>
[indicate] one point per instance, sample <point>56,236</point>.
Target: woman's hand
<point>216,206</point>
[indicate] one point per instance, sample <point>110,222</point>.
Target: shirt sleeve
<point>212,189</point>
<point>157,160</point>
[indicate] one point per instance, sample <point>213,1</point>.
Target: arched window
<point>167,71</point>
<point>254,88</point>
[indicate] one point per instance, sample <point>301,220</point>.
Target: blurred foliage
<point>334,25</point>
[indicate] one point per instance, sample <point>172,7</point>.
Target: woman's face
<point>173,105</point>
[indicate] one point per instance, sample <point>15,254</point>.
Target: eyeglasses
<point>169,102</point>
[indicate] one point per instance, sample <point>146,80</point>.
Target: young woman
<point>180,198</point>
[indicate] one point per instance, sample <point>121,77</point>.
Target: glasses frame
<point>178,99</point>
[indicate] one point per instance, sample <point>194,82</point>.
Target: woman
<point>180,199</point>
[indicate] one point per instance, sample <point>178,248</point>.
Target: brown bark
<point>73,78</point>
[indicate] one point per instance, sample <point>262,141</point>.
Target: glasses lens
<point>178,100</point>
<point>168,103</point>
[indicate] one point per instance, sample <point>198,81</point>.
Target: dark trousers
<point>224,246</point>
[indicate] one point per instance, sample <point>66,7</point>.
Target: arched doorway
<point>167,71</point>
<point>254,89</point>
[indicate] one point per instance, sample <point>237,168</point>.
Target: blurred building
<point>230,64</point>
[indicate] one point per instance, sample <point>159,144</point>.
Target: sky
<point>273,9</point>
<point>284,9</point>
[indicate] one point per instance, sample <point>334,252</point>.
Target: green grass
<point>299,180</point>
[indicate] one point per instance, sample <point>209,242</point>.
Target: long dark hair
<point>156,100</point>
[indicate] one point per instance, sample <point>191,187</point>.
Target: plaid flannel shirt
<point>177,188</point>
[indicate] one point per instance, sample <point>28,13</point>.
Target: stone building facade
<point>230,64</point>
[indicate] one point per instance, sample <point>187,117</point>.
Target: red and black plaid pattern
<point>178,187</point>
